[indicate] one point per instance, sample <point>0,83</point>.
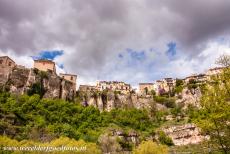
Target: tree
<point>214,116</point>
<point>150,147</point>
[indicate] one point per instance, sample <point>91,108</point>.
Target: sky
<point>117,40</point>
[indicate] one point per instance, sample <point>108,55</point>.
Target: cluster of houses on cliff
<point>166,84</point>
<point>7,65</point>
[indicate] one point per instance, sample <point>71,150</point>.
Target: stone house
<point>214,72</point>
<point>70,77</point>
<point>113,86</point>
<point>145,86</point>
<point>168,84</point>
<point>158,85</point>
<point>6,67</point>
<point>86,88</point>
<point>200,78</point>
<point>45,65</point>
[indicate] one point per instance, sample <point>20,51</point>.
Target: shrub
<point>164,139</point>
<point>149,147</point>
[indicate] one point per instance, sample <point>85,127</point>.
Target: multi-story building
<point>6,66</point>
<point>145,88</point>
<point>114,86</point>
<point>168,84</point>
<point>45,65</point>
<point>158,86</point>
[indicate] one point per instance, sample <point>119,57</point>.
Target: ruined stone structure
<point>45,65</point>
<point>113,86</point>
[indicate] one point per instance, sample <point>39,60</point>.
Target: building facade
<point>71,78</point>
<point>145,88</point>
<point>6,67</point>
<point>86,88</point>
<point>113,86</point>
<point>45,65</point>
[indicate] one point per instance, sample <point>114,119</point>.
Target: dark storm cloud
<point>92,32</point>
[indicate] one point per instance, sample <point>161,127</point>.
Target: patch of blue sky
<point>137,55</point>
<point>49,54</point>
<point>61,66</point>
<point>172,50</point>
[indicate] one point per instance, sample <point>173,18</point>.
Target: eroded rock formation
<point>20,80</point>
<point>185,134</point>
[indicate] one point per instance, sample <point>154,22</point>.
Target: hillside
<point>40,108</point>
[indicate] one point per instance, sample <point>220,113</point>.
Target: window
<point>71,78</point>
<point>1,61</point>
<point>10,63</point>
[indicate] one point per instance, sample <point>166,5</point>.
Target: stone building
<point>70,77</point>
<point>113,86</point>
<point>214,72</point>
<point>164,85</point>
<point>6,67</point>
<point>145,88</point>
<point>200,78</point>
<point>168,84</point>
<point>86,88</point>
<point>45,65</point>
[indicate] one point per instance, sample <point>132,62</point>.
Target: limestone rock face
<point>190,97</point>
<point>185,134</point>
<point>20,80</point>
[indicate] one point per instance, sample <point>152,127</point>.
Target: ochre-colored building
<point>69,77</point>
<point>145,87</point>
<point>45,65</point>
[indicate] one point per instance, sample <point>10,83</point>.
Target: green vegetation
<point>30,117</point>
<point>150,147</point>
<point>214,116</point>
<point>84,147</point>
<point>164,139</point>
<point>38,87</point>
<point>168,102</point>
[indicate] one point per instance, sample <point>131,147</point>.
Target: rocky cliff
<point>21,80</point>
<point>189,97</point>
<point>184,134</point>
<point>110,100</point>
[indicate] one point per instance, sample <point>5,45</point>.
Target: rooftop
<point>7,57</point>
<point>68,74</point>
<point>145,83</point>
<point>44,60</point>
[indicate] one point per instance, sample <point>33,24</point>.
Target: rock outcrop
<point>185,134</point>
<point>21,80</point>
<point>111,100</point>
<point>191,97</point>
